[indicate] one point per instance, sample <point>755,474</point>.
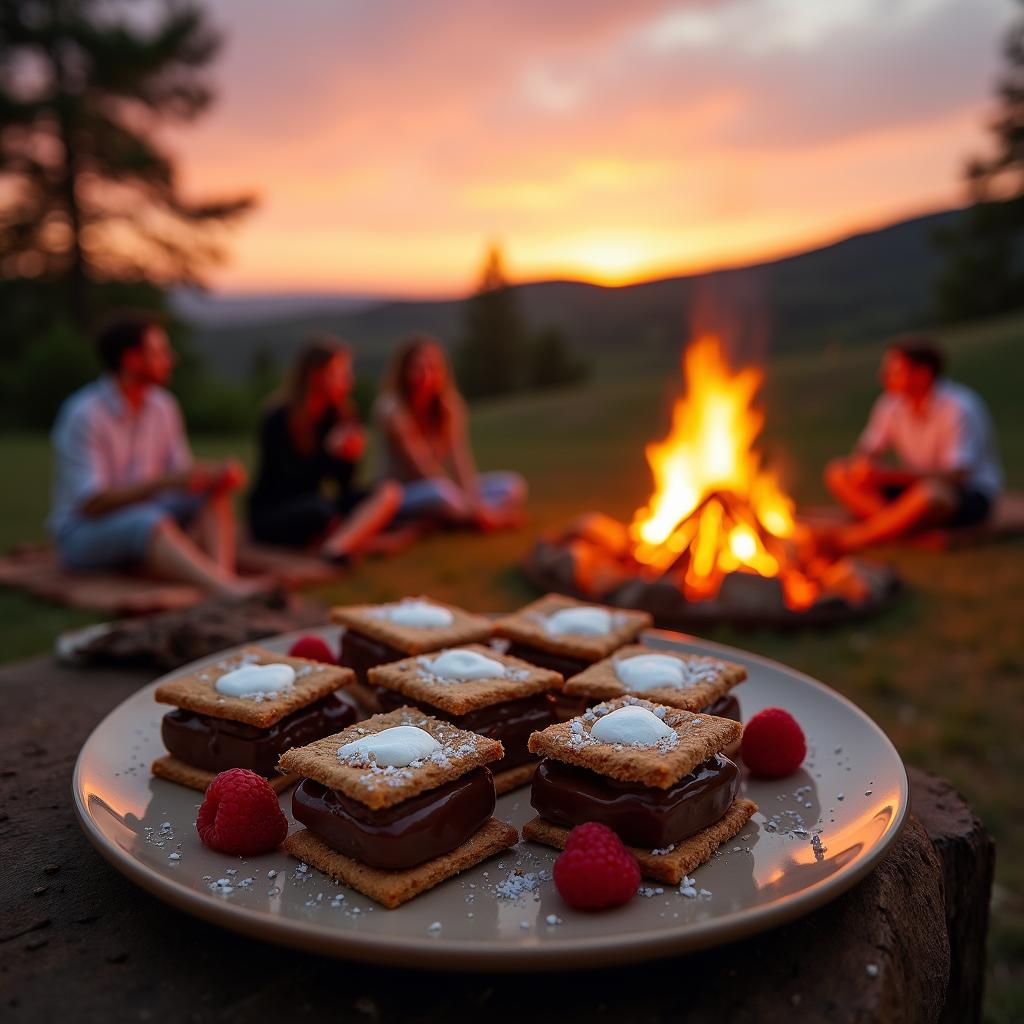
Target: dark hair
<point>315,354</point>
<point>920,351</point>
<point>397,380</point>
<point>122,331</point>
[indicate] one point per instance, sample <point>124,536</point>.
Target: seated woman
<point>422,420</point>
<point>310,445</point>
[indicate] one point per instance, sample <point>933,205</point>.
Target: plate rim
<point>477,955</point>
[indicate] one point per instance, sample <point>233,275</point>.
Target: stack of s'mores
<point>245,711</point>
<point>397,804</point>
<point>655,775</point>
<point>465,708</point>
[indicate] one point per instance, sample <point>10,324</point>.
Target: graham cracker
<point>195,691</point>
<point>526,626</point>
<point>706,680</point>
<point>461,751</point>
<point>699,736</point>
<point>369,620</point>
<point>411,677</point>
<point>393,888</point>
<point>513,778</point>
<point>172,769</point>
<point>687,855</point>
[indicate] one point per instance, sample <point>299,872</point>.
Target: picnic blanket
<point>1006,521</point>
<point>36,570</point>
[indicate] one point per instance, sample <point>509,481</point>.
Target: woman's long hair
<point>315,354</point>
<point>398,384</point>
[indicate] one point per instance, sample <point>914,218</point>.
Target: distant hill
<point>861,287</point>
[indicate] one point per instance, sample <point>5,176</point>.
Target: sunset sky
<point>389,141</point>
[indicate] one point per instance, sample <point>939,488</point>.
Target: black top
<point>286,473</point>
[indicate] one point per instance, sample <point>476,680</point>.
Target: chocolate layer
<point>725,707</point>
<point>642,816</point>
<point>563,663</point>
<point>511,722</point>
<point>418,829</point>
<point>217,744</point>
<point>360,654</point>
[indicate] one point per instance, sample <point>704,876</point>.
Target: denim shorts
<point>121,538</point>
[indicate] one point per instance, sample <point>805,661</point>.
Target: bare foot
<point>489,520</point>
<point>393,541</point>
<point>240,588</point>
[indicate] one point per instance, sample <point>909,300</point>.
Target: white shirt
<point>953,432</point>
<point>99,442</point>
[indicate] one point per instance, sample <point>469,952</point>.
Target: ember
<point>719,532</point>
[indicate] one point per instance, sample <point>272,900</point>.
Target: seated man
<point>125,485</point>
<point>949,473</point>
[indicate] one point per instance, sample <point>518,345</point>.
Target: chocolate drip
<point>563,663</point>
<point>642,816</point>
<point>360,654</point>
<point>216,744</point>
<point>416,830</point>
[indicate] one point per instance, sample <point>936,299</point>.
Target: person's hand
<point>195,478</point>
<point>346,441</point>
<point>205,476</point>
<point>862,470</point>
<point>230,476</point>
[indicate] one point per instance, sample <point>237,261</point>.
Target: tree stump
<point>968,858</point>
<point>81,943</point>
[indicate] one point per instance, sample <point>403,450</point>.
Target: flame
<point>715,508</point>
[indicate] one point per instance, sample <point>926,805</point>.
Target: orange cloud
<point>599,140</point>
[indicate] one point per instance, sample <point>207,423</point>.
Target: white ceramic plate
<point>816,834</point>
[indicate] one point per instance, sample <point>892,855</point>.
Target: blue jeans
<point>439,498</point>
<point>121,538</point>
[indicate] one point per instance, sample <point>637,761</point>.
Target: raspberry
<point>773,743</point>
<point>314,648</point>
<point>240,814</point>
<point>595,871</point>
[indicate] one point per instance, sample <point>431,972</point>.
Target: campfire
<point>718,538</point>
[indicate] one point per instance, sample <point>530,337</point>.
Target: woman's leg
<point>502,490</point>
<point>503,496</point>
<point>369,517</point>
<point>436,498</point>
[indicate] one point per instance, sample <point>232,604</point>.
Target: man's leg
<point>860,498</point>
<point>146,535</point>
<point>172,555</point>
<point>925,503</point>
<point>215,529</point>
<point>369,517</point>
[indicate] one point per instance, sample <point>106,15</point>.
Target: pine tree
<point>88,194</point>
<point>552,361</point>
<point>984,274</point>
<point>489,359</point>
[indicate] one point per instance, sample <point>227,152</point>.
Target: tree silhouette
<point>552,361</point>
<point>87,195</point>
<point>984,274</point>
<point>490,355</point>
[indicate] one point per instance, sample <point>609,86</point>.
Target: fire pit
<point>719,540</point>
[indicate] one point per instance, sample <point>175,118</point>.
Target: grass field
<point>941,672</point>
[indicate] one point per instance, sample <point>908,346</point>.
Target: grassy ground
<point>941,672</point>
